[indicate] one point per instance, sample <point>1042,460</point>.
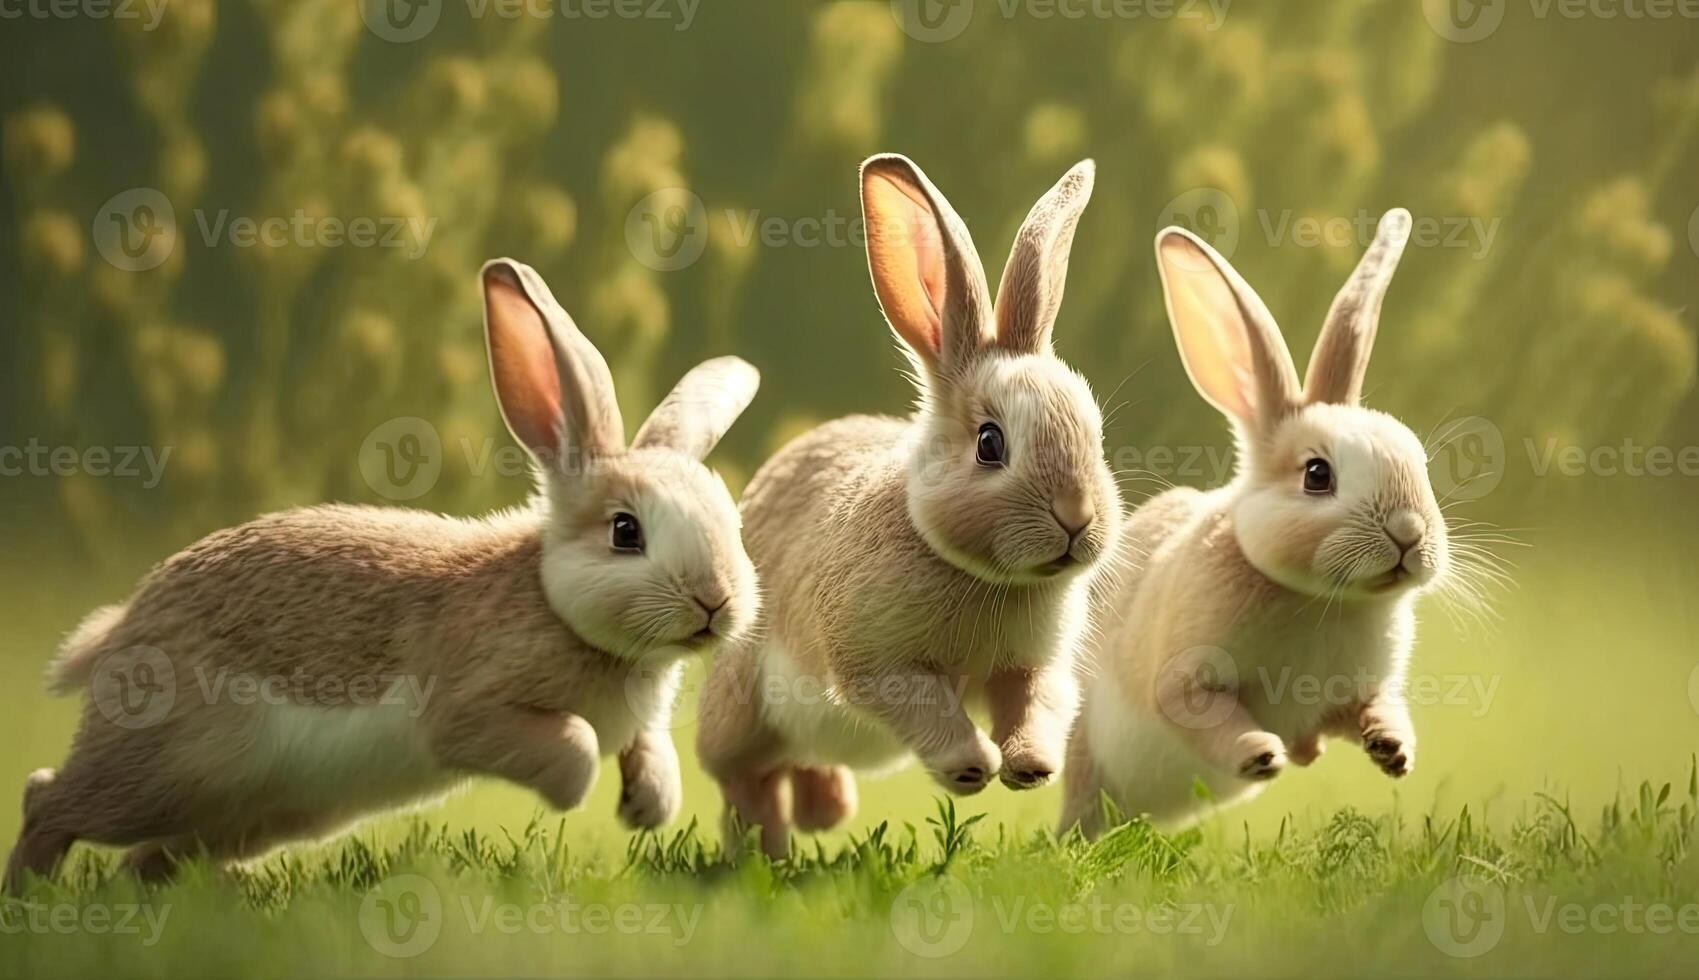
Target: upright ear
<point>1341,357</point>
<point>701,407</point>
<point>925,269</point>
<point>1031,291</point>
<point>1231,346</point>
<point>554,388</point>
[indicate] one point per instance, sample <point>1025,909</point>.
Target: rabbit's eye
<point>991,447</point>
<point>627,534</point>
<point>1318,477</point>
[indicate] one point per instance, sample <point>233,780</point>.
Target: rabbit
<point>912,564</point>
<point>1307,565</point>
<point>323,664</point>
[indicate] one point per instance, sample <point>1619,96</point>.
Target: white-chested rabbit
<point>281,679</point>
<point>1258,618</point>
<point>909,562</point>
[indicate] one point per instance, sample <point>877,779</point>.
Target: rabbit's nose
<point>1074,512</point>
<point>1406,529</point>
<point>712,605</point>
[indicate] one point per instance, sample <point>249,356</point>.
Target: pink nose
<point>1406,529</point>
<point>1074,512</point>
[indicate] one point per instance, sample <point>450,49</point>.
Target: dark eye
<point>1318,477</point>
<point>627,534</point>
<point>991,444</point>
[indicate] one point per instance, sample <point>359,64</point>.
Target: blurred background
<point>239,244</point>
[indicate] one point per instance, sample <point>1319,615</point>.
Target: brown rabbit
<point>280,680</point>
<point>916,563</point>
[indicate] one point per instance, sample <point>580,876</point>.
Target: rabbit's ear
<point>701,407</point>
<point>1229,342</point>
<point>554,388</point>
<point>925,269</point>
<point>1341,358</point>
<point>1031,291</point>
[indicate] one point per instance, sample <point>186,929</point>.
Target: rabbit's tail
<point>74,664</point>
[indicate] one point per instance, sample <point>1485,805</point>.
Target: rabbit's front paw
<point>570,765</point>
<point>1394,753</point>
<point>649,801</point>
<point>650,788</point>
<point>968,767</point>
<point>1029,764</point>
<point>1261,755</point>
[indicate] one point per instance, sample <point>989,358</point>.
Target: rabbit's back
<point>328,591</point>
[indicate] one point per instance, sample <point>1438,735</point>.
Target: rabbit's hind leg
<point>824,796</point>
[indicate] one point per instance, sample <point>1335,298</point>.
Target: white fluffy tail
<point>74,664</point>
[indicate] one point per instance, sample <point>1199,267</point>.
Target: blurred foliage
<point>264,368</point>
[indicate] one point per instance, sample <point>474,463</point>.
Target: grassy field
<point>1537,836</point>
<point>1417,895</point>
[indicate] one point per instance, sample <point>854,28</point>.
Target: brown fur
<point>903,578</point>
<point>315,666</point>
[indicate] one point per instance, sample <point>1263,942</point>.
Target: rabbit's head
<point>643,551</point>
<point>1331,498</point>
<point>1007,478</point>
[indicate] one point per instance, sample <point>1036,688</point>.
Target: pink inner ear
<point>906,251</point>
<point>522,361</point>
<point>1209,327</point>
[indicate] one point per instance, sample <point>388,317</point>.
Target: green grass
<point>1528,781</point>
<point>1554,894</point>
